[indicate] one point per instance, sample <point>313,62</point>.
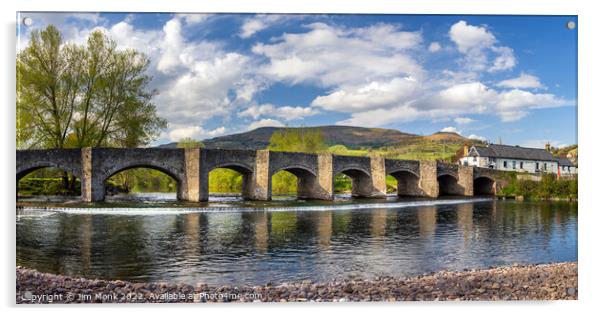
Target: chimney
<point>548,147</point>
<point>465,150</point>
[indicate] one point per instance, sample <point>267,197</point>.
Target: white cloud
<point>520,99</point>
<point>524,81</point>
<point>458,100</point>
<point>287,113</point>
<point>463,120</point>
<point>450,129</point>
<point>476,42</point>
<point>505,59</point>
<point>332,56</point>
<point>434,47</point>
<point>251,27</point>
<point>194,18</point>
<point>541,143</point>
<point>194,132</point>
<point>476,137</point>
<point>512,116</point>
<point>468,37</point>
<point>373,95</point>
<point>265,123</point>
<point>261,22</point>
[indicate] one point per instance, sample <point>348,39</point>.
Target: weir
<point>315,172</point>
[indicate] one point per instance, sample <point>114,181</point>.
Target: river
<point>153,238</point>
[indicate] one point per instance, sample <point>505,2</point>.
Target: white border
<point>590,102</point>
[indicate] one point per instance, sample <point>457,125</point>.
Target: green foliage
<point>143,180</point>
<point>391,184</point>
<point>30,186</point>
<point>190,143</point>
<point>306,140</point>
<point>72,95</point>
<point>223,180</point>
<point>342,184</point>
<point>284,183</point>
<point>421,149</point>
<point>548,187</point>
<point>344,151</point>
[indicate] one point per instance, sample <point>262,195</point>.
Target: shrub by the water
<point>548,187</point>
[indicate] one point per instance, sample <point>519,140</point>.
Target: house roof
<point>506,151</point>
<point>563,161</point>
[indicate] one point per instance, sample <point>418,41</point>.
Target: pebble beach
<point>556,281</point>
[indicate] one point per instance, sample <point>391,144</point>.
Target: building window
<point>521,164</point>
<point>545,166</point>
<point>505,164</point>
<point>563,168</point>
<point>536,166</point>
<point>474,158</point>
<point>513,164</point>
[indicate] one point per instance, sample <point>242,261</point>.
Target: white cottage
<point>566,167</point>
<point>510,158</point>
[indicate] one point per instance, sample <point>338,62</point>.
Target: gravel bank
<point>534,282</point>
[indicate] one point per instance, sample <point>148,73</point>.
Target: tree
<point>190,143</point>
<point>307,140</point>
<point>47,89</point>
<point>83,95</point>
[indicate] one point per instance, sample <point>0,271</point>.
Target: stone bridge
<point>315,172</point>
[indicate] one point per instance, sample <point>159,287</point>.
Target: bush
<point>548,187</point>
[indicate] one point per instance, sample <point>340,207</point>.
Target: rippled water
<point>229,241</point>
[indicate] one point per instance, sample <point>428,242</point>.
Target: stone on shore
<point>532,282</point>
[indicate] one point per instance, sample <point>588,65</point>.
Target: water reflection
<point>427,221</point>
<point>257,247</point>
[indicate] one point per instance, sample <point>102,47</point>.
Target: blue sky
<point>484,77</point>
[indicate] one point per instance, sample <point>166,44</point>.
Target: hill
<point>349,136</point>
<point>445,137</point>
<point>358,141</point>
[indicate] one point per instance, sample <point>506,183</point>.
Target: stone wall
<point>465,180</point>
<point>259,182</point>
<point>190,184</point>
<point>428,178</point>
<point>379,176</point>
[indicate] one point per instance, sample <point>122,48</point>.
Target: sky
<point>512,78</point>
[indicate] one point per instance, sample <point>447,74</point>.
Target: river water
<point>152,237</point>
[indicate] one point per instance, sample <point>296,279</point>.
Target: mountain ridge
<point>350,136</point>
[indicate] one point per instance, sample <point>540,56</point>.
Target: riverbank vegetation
<point>549,187</point>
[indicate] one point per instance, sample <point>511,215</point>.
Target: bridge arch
<point>408,182</point>
<point>25,170</point>
<point>361,181</point>
<point>484,185</point>
<point>243,170</point>
<point>174,174</point>
<point>71,173</point>
<point>448,184</point>
<point>306,180</point>
<point>110,161</point>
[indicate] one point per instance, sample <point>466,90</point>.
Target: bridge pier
<point>256,186</point>
<point>320,187</point>
<point>189,188</point>
<point>86,174</point>
<point>378,176</point>
<point>465,179</point>
<point>428,178</point>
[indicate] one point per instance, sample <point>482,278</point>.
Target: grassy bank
<point>548,188</point>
